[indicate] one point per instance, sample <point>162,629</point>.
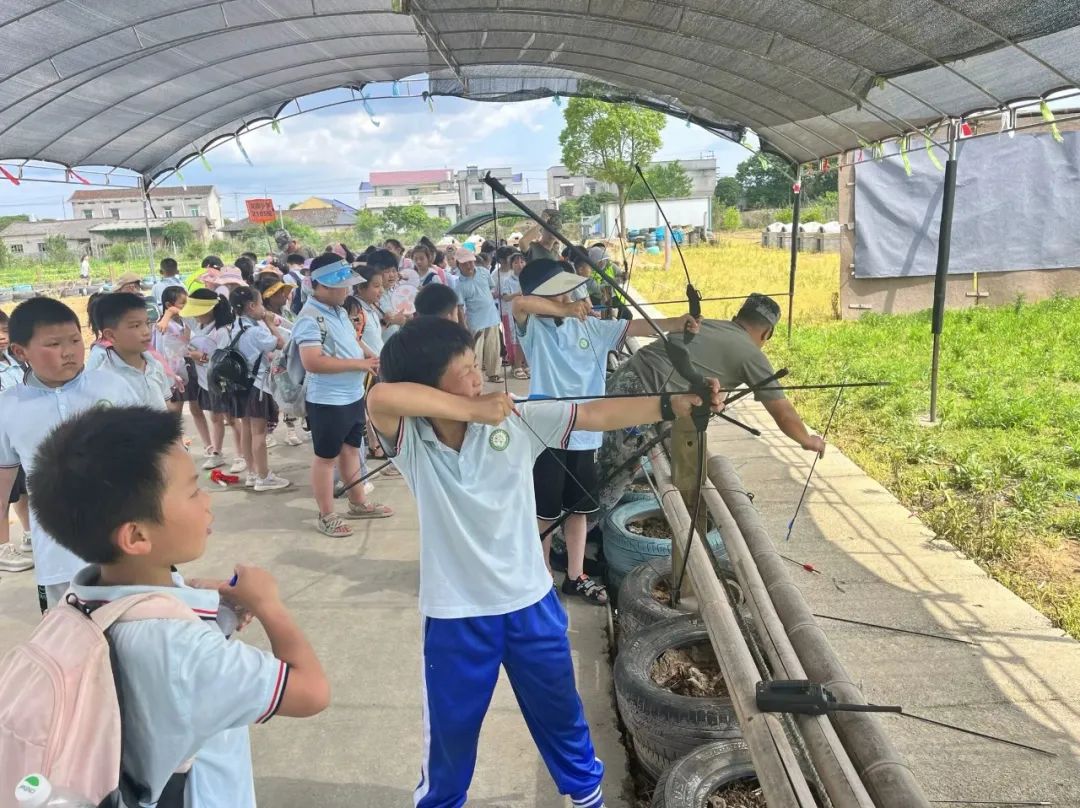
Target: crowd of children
<point>117,503</point>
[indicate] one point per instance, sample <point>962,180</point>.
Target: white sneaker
<point>238,466</point>
<point>210,451</point>
<point>214,460</point>
<point>271,441</point>
<point>25,547</point>
<point>11,560</point>
<point>271,482</point>
<point>250,480</point>
<point>293,439</point>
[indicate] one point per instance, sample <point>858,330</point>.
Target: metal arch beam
<point>136,55</point>
<point>1072,81</point>
<point>619,22</point>
<point>117,62</point>
<point>423,22</point>
<point>582,68</point>
<point>885,116</point>
<point>119,102</point>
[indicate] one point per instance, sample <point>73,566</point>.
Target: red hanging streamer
<point>69,173</point>
<point>9,176</point>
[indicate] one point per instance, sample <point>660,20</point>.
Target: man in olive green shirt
<point>728,350</point>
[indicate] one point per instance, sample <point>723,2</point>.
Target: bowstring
<point>499,290</point>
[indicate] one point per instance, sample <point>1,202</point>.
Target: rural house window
<point>387,191</point>
<point>194,210</point>
<point>88,213</point>
<point>414,192</point>
<point>442,212</point>
<point>114,212</point>
<point>168,212</point>
<point>16,248</point>
<point>41,247</point>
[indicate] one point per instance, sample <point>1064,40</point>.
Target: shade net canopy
<point>147,85</point>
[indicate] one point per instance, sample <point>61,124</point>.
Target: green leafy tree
<point>406,218</point>
<point>178,233</point>
<point>668,181</point>
<point>765,183</point>
<point>605,141</point>
<point>301,232</point>
<point>731,220</point>
<point>56,250</point>
<point>369,225</point>
<point>728,192</point>
<point>118,252</point>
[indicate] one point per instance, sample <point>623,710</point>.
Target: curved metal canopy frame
<point>148,86</point>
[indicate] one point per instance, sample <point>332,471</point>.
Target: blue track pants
<point>461,666</point>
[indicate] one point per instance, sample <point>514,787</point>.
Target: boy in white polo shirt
<point>45,334</point>
<point>124,323</point>
<point>485,593</point>
<point>334,400</point>
<point>117,487</point>
<point>567,349</point>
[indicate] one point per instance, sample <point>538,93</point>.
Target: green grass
<point>1000,477</point>
<point>40,273</point>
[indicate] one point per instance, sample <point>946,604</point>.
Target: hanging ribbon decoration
<point>204,161</point>
<point>179,176</point>
<point>70,172</point>
<point>274,126</point>
<point>427,97</point>
<point>9,176</point>
<point>1048,116</point>
<point>903,145</point>
<point>368,109</point>
<point>243,151</point>
<point>930,150</point>
<point>395,91</point>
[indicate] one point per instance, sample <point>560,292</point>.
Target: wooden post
<point>684,473</point>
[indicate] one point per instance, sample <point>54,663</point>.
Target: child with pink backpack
<point>130,692</point>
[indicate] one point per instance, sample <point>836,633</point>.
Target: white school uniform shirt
<point>28,413</point>
<point>189,692</point>
<point>256,341</point>
<point>151,384</point>
<point>569,360</point>
<point>162,285</point>
<point>11,372</point>
<point>373,332</point>
<point>479,552</point>
<point>481,311</point>
<point>206,338</point>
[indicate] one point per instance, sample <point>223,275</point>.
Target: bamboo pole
<point>889,781</point>
<point>777,768</point>
<point>828,755</point>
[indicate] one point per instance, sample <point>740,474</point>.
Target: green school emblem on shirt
<point>499,440</point>
<point>583,343</point>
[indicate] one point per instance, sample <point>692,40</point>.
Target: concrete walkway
<point>357,600</point>
<point>1019,678</point>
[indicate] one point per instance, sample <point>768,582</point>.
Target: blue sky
<point>329,152</point>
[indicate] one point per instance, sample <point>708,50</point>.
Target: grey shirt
<point>722,349</point>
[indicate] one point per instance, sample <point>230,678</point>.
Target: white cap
<point>514,238</point>
<point>33,791</point>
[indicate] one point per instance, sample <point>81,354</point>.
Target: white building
<point>434,189</point>
<point>563,184</point>
<point>167,202</point>
<point>94,236</point>
<point>475,196</point>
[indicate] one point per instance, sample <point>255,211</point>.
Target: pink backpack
<point>59,711</point>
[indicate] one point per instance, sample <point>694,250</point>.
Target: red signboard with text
<point>260,210</point>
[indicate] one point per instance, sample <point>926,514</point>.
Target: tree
<point>668,181</point>
<point>369,225</point>
<point>728,192</point>
<point>606,141</point>
<point>178,233</point>
<point>406,218</point>
<point>765,185</point>
<point>731,219</point>
<point>56,250</point>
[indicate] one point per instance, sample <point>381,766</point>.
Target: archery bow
<point>677,353</point>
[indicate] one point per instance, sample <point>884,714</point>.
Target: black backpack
<point>228,372</point>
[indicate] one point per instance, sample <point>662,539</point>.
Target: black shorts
<point>334,426</point>
<point>260,404</point>
<point>18,488</point>
<point>191,384</point>
<point>557,491</point>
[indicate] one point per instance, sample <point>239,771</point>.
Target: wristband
<point>667,412</point>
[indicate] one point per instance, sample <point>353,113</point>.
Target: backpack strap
<point>147,606</point>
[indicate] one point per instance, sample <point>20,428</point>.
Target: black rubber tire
<point>637,606</point>
<point>663,725</point>
<point>692,779</point>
